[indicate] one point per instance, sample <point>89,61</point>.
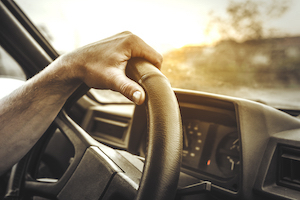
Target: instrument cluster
<point>211,148</point>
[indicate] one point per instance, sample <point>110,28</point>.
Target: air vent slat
<point>289,167</point>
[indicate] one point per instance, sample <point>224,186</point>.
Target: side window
<point>9,67</point>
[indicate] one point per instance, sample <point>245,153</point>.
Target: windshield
<point>241,48</point>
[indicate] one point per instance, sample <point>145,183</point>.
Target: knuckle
<point>160,58</point>
<point>127,39</point>
<point>126,33</point>
<point>158,61</point>
<point>131,38</point>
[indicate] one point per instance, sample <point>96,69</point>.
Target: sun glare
<point>161,26</point>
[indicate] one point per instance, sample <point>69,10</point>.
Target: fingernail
<point>136,97</point>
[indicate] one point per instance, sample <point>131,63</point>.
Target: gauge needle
<point>186,142</point>
<point>234,144</point>
<point>232,163</point>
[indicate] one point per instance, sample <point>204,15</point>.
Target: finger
<point>129,88</point>
<point>149,54</point>
<point>140,49</point>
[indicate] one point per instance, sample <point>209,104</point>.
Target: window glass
<point>9,67</point>
<point>242,48</point>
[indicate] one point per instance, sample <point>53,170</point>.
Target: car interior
<point>181,144</point>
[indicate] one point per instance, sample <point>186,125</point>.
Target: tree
<point>246,20</point>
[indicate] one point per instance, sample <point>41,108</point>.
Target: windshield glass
<point>241,48</point>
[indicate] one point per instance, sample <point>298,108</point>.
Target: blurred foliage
<point>247,20</point>
<point>254,63</point>
<point>254,59</point>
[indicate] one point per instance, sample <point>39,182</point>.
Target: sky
<point>164,24</point>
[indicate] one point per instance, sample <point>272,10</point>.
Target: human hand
<point>102,64</point>
<point>35,104</point>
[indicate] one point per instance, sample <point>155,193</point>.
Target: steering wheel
<point>100,172</point>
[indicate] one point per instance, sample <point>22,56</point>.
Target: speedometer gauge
<point>194,135</point>
<point>228,155</point>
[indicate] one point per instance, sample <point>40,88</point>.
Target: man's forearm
<point>28,111</point>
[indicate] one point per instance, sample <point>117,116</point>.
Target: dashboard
<point>232,144</point>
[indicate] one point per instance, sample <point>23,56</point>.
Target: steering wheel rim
<point>162,166</point>
<point>165,132</point>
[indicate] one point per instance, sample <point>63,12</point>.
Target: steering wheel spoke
<point>95,174</point>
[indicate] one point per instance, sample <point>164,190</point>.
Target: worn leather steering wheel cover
<point>163,160</point>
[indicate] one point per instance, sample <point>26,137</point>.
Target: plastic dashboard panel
<point>239,145</point>
<point>212,151</point>
<point>219,160</point>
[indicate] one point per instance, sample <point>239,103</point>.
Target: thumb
<point>130,89</point>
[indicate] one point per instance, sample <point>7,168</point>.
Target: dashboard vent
<point>289,167</point>
<point>109,127</point>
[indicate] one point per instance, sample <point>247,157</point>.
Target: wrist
<point>69,70</point>
<point>59,78</point>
